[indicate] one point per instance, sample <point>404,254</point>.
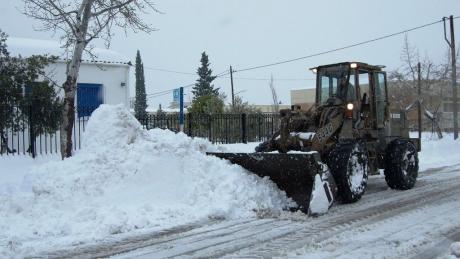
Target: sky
<point>242,34</point>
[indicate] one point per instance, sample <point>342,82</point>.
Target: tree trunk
<point>70,85</point>
<point>68,115</point>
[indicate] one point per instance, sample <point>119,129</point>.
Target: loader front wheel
<point>401,164</point>
<point>349,165</point>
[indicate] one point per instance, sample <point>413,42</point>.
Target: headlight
<point>350,106</point>
<point>353,65</point>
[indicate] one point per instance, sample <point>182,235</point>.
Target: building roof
<point>28,47</point>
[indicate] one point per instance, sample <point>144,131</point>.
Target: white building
<point>303,97</point>
<point>103,78</point>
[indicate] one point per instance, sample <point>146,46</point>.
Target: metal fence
<point>25,134</point>
<point>219,128</point>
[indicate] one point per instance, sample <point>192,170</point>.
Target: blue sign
<point>181,109</point>
<point>176,95</point>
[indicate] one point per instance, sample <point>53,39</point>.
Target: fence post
<point>31,132</point>
<point>226,129</point>
<point>209,129</point>
<point>259,137</point>
<point>243,128</point>
<point>189,121</point>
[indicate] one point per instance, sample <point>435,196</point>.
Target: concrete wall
<point>269,107</point>
<point>303,97</point>
<point>113,77</point>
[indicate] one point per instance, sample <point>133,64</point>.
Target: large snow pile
<point>127,178</point>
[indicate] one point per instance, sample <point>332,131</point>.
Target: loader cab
<point>354,85</point>
<point>334,86</point>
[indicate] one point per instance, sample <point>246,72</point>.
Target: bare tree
<point>403,81</point>
<point>276,106</point>
<point>79,22</point>
<point>434,84</point>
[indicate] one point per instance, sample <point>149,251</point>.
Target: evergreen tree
<point>140,103</point>
<point>203,84</point>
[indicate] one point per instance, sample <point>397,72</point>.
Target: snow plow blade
<point>292,173</point>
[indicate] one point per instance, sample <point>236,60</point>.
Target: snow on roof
<point>308,88</point>
<point>28,47</point>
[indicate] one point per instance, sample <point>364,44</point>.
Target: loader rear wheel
<point>401,164</point>
<point>349,165</point>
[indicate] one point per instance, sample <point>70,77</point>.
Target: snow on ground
<point>438,152</point>
<point>15,168</point>
<point>126,178</point>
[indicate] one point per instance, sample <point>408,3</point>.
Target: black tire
<point>349,165</point>
<point>401,164</point>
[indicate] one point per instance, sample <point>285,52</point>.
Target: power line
<point>226,72</point>
<point>341,48</point>
<point>165,92</point>
<point>169,71</point>
<point>274,79</point>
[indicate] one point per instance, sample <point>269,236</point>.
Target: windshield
<point>336,82</point>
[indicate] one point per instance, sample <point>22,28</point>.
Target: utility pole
<point>419,104</point>
<point>451,44</point>
<point>231,82</point>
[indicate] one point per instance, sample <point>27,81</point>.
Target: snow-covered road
<point>422,223</point>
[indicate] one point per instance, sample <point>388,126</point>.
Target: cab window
<point>380,97</point>
<point>328,88</point>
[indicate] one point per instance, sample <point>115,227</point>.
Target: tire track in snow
<point>388,233</point>
<point>118,244</point>
<point>441,247</point>
<point>427,179</point>
<point>219,242</point>
<point>318,230</point>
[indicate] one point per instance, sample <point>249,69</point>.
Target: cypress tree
<point>140,103</point>
<point>203,84</point>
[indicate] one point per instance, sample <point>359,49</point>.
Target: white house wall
<point>113,77</point>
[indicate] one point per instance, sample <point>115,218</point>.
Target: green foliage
<point>140,103</point>
<point>203,85</point>
<point>17,73</point>
<point>207,104</point>
<point>43,106</point>
<point>241,106</point>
